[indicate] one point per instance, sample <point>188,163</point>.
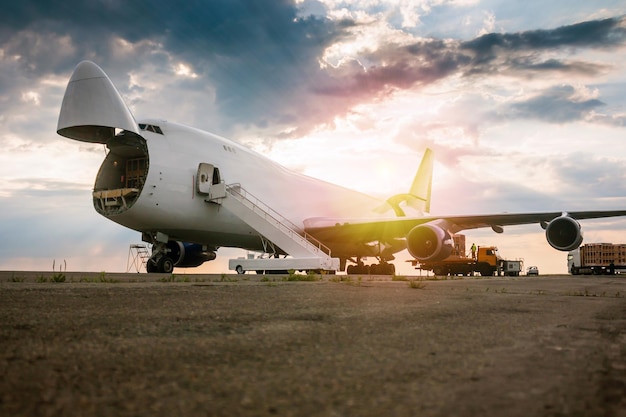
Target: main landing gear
<point>382,268</point>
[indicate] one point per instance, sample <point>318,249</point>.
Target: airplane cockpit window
<point>151,128</point>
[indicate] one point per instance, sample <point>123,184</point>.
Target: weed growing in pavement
<point>347,279</point>
<point>175,278</point>
<point>226,278</point>
<point>310,276</point>
<point>417,284</point>
<point>16,279</point>
<point>587,293</point>
<point>169,278</point>
<point>59,277</point>
<point>102,277</point>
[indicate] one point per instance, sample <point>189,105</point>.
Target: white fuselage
<point>169,202</point>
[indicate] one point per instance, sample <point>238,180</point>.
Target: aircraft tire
<point>151,266</point>
<point>166,265</point>
<point>486,272</point>
<point>239,269</point>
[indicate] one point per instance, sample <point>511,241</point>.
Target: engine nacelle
<point>429,242</point>
<point>188,255</point>
<point>564,233</point>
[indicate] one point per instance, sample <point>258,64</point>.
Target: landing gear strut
<point>160,262</point>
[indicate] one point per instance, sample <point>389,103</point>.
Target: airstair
<point>305,252</point>
<point>138,255</point>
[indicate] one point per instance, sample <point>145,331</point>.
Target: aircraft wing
<point>368,230</point>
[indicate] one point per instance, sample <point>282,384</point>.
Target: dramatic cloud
<point>353,92</point>
<point>557,105</point>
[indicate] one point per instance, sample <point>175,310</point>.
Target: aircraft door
<point>208,175</point>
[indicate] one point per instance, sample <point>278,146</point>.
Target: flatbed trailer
<point>457,265</point>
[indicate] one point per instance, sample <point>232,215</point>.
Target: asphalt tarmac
<point>221,345</point>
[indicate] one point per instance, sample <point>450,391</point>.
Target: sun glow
<point>185,70</point>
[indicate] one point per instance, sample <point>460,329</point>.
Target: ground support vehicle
<point>511,268</point>
<point>597,259</point>
<point>486,261</point>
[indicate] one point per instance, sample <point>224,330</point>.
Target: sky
<point>523,103</point>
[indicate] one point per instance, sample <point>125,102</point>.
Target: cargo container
<point>597,258</point>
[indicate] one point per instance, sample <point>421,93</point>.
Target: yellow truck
<point>486,261</point>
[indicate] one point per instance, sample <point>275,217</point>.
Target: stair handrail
<point>237,190</point>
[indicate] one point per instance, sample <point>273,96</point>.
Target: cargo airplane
<point>158,176</point>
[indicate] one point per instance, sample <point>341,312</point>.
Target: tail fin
<point>418,197</point>
<point>422,184</point>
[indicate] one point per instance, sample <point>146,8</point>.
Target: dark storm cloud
<point>262,57</point>
<point>520,53</point>
<point>430,60</point>
<point>556,105</point>
<point>404,66</point>
<point>224,33</point>
<point>596,34</point>
<point>259,55</point>
<point>554,65</point>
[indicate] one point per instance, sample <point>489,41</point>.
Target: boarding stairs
<point>138,255</point>
<point>275,228</point>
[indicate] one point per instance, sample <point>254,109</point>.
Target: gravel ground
<point>129,345</point>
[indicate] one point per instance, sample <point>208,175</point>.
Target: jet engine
<point>564,233</point>
<point>188,255</point>
<point>429,242</point>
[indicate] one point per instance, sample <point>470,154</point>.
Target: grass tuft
<point>417,284</point>
<point>58,277</point>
